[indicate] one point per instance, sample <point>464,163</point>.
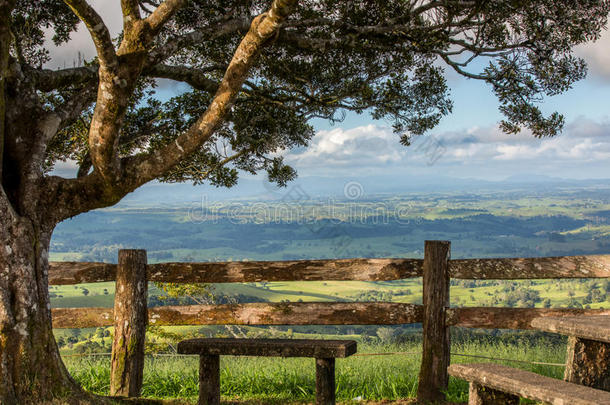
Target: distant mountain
<point>532,178</point>
<point>257,188</point>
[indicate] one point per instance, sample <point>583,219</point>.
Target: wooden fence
<point>132,273</point>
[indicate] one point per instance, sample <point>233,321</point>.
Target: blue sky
<point>466,144</point>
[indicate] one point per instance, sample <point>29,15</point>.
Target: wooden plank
<point>529,385</point>
<point>65,273</point>
<point>130,318</point>
<point>510,318</point>
<point>588,358</point>
<point>588,363</point>
<point>296,270</point>
<point>587,327</point>
<point>433,377</point>
<point>325,381</point>
<point>82,317</point>
<point>61,273</point>
<point>209,380</point>
<point>269,347</point>
<point>295,313</point>
<point>481,395</point>
<point>531,268</point>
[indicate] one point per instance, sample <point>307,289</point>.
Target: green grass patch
<point>388,377</point>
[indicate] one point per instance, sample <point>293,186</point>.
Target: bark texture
<point>433,377</point>
<point>130,319</point>
<point>290,313</point>
<point>593,266</point>
<point>590,327</point>
<point>512,318</point>
<point>588,363</point>
<point>31,370</point>
<point>325,381</point>
<point>532,268</point>
<point>209,380</point>
<point>321,348</point>
<point>481,395</point>
<point>62,273</point>
<point>303,270</point>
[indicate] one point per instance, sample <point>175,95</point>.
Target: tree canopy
<point>259,71</point>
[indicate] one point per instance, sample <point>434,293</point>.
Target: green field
<point>560,293</point>
<point>523,223</point>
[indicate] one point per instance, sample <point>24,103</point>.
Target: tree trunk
<point>31,370</point>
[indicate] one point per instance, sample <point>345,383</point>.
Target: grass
<point>274,380</point>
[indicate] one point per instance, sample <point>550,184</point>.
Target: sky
<point>466,144</point>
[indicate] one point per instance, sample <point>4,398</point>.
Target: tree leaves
<point>332,56</point>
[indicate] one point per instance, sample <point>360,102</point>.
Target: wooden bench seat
<point>494,384</point>
<point>210,350</point>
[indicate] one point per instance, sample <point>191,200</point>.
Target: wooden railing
<point>133,273</point>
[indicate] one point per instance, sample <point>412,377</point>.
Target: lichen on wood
<point>130,319</point>
<point>510,318</point>
<point>294,313</point>
<point>593,266</point>
<point>527,384</point>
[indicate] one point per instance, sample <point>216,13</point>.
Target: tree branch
<point>460,71</point>
<point>192,76</point>
<point>200,174</point>
<point>98,31</point>
<point>163,13</point>
<point>49,80</point>
<point>131,13</point>
<point>178,42</point>
<point>74,106</point>
<point>85,166</point>
<point>141,169</point>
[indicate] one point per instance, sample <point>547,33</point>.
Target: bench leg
<point>209,380</point>
<point>480,395</point>
<point>325,381</point>
<point>588,363</point>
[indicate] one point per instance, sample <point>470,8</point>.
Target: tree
<point>258,71</point>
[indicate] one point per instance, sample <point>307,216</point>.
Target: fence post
<point>433,376</point>
<point>130,318</point>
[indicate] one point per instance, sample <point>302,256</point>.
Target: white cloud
<point>365,145</point>
<point>372,149</point>
<point>597,55</point>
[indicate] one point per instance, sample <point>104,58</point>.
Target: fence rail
<point>594,266</point>
<point>317,313</point>
<point>292,313</point>
<point>129,315</point>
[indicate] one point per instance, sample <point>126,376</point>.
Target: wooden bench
<point>210,350</point>
<point>588,357</point>
<point>494,384</point>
